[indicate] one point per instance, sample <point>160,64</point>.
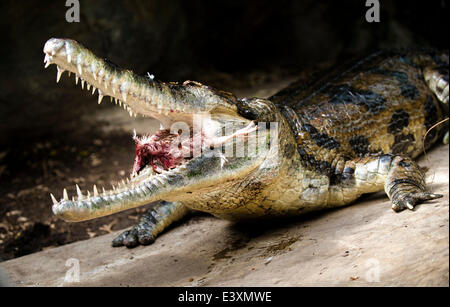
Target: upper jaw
<point>167,102</point>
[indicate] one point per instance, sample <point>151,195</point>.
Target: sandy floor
<point>362,244</point>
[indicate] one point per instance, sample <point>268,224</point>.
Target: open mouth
<point>161,157</point>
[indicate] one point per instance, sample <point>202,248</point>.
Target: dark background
<point>44,144</point>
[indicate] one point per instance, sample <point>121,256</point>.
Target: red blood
<point>157,150</point>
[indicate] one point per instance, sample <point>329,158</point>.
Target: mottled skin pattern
<point>350,132</point>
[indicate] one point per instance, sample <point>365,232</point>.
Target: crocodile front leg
<point>151,224</point>
<point>402,179</point>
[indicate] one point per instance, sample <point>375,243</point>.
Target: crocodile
<point>314,145</point>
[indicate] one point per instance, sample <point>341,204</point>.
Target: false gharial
<point>314,145</point>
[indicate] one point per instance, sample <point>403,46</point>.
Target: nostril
<point>53,45</point>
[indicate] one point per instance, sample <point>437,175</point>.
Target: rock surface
<point>365,244</point>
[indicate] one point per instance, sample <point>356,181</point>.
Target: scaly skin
<point>351,132</point>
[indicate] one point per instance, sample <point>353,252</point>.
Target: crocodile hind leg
<point>402,179</point>
<point>152,223</point>
<point>437,80</point>
<point>405,184</point>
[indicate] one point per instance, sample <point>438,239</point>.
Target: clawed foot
<point>140,234</point>
<point>409,200</point>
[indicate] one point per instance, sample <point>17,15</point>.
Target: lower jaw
<point>143,189</point>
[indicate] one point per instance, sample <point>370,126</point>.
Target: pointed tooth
<point>114,188</point>
<point>82,84</point>
<point>79,194</point>
<point>113,90</point>
<point>76,79</point>
<point>47,64</point>
<point>120,103</point>
<point>103,189</point>
<point>58,73</point>
<point>93,89</point>
<point>124,96</point>
<point>123,182</point>
<point>131,113</point>
<point>73,198</point>
<point>95,190</point>
<point>88,86</point>
<point>66,197</point>
<point>88,194</point>
<point>68,72</point>
<point>80,70</point>
<point>46,58</point>
<point>100,97</point>
<point>53,199</point>
<point>128,181</point>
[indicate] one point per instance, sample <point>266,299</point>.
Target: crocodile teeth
<point>124,96</point>
<point>103,189</point>
<point>80,70</point>
<point>95,190</point>
<point>88,86</point>
<point>80,195</point>
<point>53,199</point>
<point>65,196</point>
<point>58,73</point>
<point>76,79</point>
<point>100,97</point>
<point>82,84</point>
